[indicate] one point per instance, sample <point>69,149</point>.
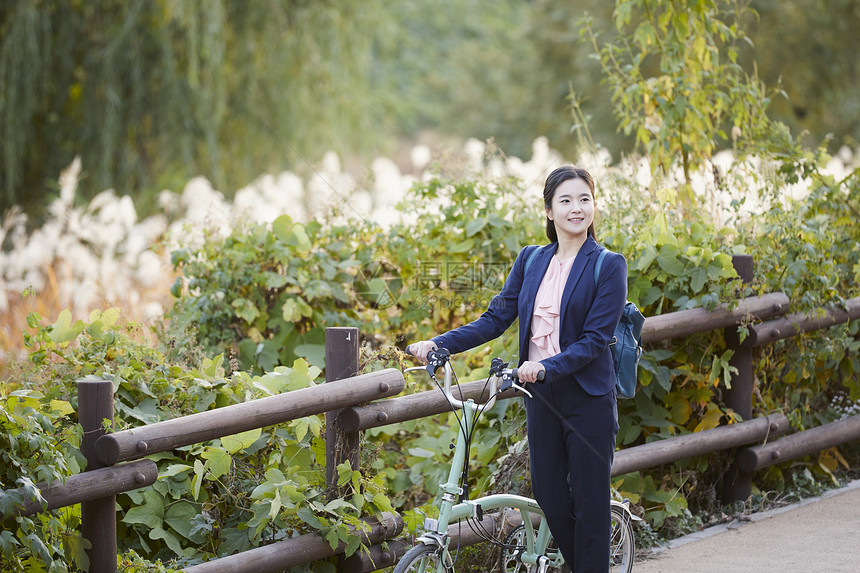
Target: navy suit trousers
<point>571,446</point>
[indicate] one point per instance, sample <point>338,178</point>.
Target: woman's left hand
<point>528,371</point>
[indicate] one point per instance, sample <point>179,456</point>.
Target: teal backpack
<point>626,345</point>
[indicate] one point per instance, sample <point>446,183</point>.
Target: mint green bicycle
<point>528,547</point>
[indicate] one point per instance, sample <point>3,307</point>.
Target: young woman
<point>566,324</point>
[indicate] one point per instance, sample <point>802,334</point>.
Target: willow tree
<point>149,92</point>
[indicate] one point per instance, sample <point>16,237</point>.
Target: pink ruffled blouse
<point>545,319</point>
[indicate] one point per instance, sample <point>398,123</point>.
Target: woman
<point>566,325</point>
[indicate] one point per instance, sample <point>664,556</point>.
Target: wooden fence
<point>351,404</point>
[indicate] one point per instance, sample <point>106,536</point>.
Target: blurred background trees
<point>152,92</point>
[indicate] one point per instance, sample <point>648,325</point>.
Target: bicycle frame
<point>450,511</point>
<point>536,540</point>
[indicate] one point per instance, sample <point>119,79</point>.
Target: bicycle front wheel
<point>621,547</point>
<point>419,559</point>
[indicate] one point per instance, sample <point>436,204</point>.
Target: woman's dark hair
<point>556,178</point>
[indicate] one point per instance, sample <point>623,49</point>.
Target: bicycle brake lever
<point>436,359</point>
<point>508,378</point>
<point>521,389</point>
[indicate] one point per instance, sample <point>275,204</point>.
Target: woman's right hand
<point>529,371</point>
<point>420,349</point>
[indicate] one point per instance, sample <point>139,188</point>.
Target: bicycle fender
<point>432,538</point>
<point>625,505</point>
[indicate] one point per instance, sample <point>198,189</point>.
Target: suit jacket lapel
<point>531,282</point>
<point>582,257</point>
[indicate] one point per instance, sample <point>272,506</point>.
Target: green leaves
<point>691,87</point>
<point>668,260</point>
<point>63,330</point>
<point>659,504</point>
<point>283,379</point>
<point>150,513</point>
<point>291,234</point>
<point>246,310</point>
<point>307,424</point>
<point>218,461</point>
<point>270,291</point>
<point>475,225</point>
<point>101,322</point>
<point>237,442</point>
<point>294,309</point>
<point>8,542</point>
<point>421,453</point>
<point>720,368</point>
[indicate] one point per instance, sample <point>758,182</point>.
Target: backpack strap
<point>531,258</point>
<point>598,264</point>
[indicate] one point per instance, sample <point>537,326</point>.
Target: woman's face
<point>572,209</point>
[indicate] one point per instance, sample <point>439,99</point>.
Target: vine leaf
<point>63,330</point>
<point>238,442</point>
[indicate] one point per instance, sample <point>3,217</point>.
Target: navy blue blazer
<point>589,316</point>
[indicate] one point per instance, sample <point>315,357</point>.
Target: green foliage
<point>818,265</point>
<point>812,44</point>
<point>241,491</point>
<point>661,502</point>
<point>37,445</point>
<point>210,499</point>
<point>265,294</point>
<point>456,230</point>
<point>131,562</point>
<point>677,85</point>
<point>455,247</point>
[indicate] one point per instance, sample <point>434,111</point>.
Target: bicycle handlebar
<point>499,371</point>
<point>541,375</point>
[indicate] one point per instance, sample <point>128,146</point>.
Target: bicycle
<point>527,548</point>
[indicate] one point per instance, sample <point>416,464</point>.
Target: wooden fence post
<point>737,485</point>
<point>341,362</point>
<point>98,517</point>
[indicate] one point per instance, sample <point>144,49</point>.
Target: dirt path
<point>816,535</point>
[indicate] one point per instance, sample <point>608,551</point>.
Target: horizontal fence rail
<point>648,455</point>
<point>793,324</point>
<point>282,555</point>
<point>670,450</point>
<point>91,485</point>
<point>229,420</point>
<point>412,407</point>
<point>696,320</point>
<point>800,444</point>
